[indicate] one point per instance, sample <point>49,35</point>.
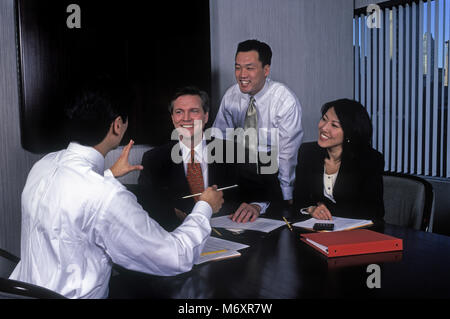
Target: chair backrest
<point>13,289</point>
<point>408,201</point>
<point>7,263</point>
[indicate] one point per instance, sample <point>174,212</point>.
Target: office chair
<point>7,263</point>
<point>408,201</point>
<point>13,289</point>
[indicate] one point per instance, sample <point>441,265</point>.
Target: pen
<point>220,189</point>
<point>213,252</point>
<point>289,225</point>
<point>216,231</point>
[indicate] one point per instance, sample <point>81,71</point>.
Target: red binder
<point>352,242</point>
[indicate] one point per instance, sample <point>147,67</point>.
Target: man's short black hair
<point>94,107</point>
<point>191,90</point>
<point>263,49</point>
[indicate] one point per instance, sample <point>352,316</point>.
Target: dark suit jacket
<point>162,183</point>
<point>358,190</point>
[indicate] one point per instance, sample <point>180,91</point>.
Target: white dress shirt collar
<point>263,91</point>
<point>90,154</point>
<point>198,150</point>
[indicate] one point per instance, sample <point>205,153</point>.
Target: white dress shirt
<point>78,220</point>
<point>328,184</point>
<point>277,108</point>
<point>201,156</point>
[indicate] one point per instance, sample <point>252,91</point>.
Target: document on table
<point>340,223</point>
<point>217,248</point>
<point>260,224</point>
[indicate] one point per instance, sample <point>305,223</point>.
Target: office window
<point>401,76</point>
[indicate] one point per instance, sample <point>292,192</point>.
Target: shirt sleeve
<point>290,134</point>
<point>135,241</point>
<point>262,205</point>
<point>223,120</point>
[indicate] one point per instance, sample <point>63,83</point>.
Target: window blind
<point>401,64</point>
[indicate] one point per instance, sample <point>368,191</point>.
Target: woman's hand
<point>122,166</point>
<point>320,212</point>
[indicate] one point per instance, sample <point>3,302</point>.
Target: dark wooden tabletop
<point>277,265</point>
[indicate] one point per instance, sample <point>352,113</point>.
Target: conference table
<point>278,265</point>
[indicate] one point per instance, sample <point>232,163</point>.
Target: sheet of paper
<point>214,244</point>
<point>340,223</point>
<point>218,256</point>
<point>261,224</point>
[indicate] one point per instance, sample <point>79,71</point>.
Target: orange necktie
<point>194,176</point>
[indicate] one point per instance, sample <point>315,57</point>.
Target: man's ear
<point>116,125</point>
<point>266,70</point>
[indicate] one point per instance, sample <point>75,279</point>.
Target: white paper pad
<point>215,244</point>
<point>260,224</point>
<point>340,223</point>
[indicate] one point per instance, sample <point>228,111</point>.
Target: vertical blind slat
<point>387,88</point>
<point>369,34</point>
<point>407,108</point>
<point>428,94</point>
<point>401,85</point>
<point>374,83</point>
<point>363,61</point>
<point>394,91</point>
<point>356,60</point>
<point>442,88</point>
<point>380,86</point>
<point>447,14</point>
<point>414,71</point>
<point>420,91</point>
<point>434,140</point>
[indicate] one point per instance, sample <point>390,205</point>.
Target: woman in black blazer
<point>341,174</point>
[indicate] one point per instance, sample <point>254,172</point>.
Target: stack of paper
<point>260,224</point>
<point>340,223</point>
<point>216,249</point>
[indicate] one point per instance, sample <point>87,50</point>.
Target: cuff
<point>108,173</point>
<point>262,205</point>
<point>203,208</point>
<point>287,192</point>
<point>304,211</point>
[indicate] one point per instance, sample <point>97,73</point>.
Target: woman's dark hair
<point>93,107</point>
<point>355,123</point>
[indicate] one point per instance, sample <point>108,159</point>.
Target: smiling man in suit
<point>190,163</point>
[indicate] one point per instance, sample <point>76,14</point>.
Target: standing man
<point>269,107</point>
<point>190,162</point>
<point>77,219</point>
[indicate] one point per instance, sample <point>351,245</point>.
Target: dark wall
<point>153,49</point>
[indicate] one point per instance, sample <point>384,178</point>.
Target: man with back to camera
<point>257,102</point>
<point>168,168</point>
<point>77,220</point>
